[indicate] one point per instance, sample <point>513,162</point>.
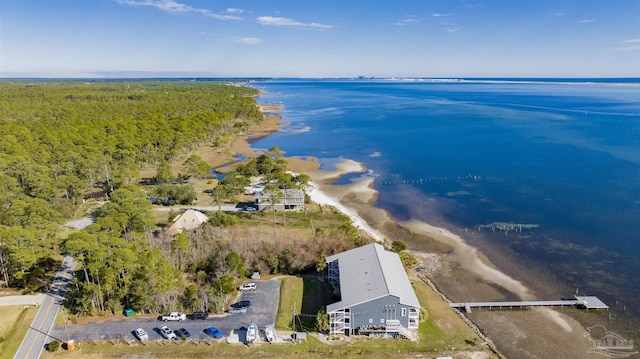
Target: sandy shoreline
<point>320,180</point>
<point>327,194</point>
<point>462,272</point>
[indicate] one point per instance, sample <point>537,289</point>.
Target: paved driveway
<point>263,311</point>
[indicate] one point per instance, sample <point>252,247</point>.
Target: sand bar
<point>321,183</point>
<point>468,257</point>
<point>528,333</point>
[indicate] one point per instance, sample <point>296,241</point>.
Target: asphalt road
<point>202,208</point>
<point>40,329</point>
<point>263,311</point>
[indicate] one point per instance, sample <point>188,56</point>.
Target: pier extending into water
<point>582,302</point>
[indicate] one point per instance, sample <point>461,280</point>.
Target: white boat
<point>270,333</point>
<point>252,333</point>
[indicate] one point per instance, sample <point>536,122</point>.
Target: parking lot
<point>263,310</point>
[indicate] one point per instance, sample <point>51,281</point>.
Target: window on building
<point>403,312</point>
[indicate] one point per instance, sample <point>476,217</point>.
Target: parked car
<point>214,332</point>
<point>241,304</point>
<point>247,286</point>
<point>175,316</point>
<point>252,333</point>
<point>184,334</point>
<point>250,209</point>
<point>270,333</point>
<point>199,315</point>
<point>141,334</point>
<point>234,310</point>
<point>167,333</point>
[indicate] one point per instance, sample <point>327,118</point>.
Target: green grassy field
<point>304,296</point>
<point>16,321</point>
<point>291,291</point>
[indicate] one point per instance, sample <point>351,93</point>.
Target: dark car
<point>183,334</point>
<point>241,304</point>
<point>214,332</point>
<point>199,315</point>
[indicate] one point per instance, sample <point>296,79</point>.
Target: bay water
<point>546,171</point>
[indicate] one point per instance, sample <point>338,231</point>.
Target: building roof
<point>289,194</point>
<point>371,272</point>
<point>190,219</point>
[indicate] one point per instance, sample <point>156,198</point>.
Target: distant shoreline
<point>184,77</point>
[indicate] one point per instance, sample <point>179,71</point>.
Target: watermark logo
<point>608,343</point>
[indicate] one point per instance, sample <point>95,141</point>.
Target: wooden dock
<point>582,302</point>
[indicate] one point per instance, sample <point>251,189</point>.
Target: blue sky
<point>321,38</point>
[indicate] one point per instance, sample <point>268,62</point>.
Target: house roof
<point>190,219</point>
<point>371,272</point>
<point>289,194</point>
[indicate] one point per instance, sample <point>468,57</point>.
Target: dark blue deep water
<point>561,156</point>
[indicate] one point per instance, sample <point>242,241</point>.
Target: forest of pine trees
<point>64,142</point>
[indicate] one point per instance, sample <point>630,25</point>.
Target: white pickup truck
<point>175,316</point>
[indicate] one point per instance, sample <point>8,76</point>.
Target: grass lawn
<point>291,291</point>
<point>443,328</point>
<point>17,320</point>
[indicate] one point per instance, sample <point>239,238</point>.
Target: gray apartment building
<point>376,296</point>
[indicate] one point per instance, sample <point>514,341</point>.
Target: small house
<point>279,200</point>
<point>191,219</point>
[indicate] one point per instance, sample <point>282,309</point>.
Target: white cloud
<point>283,21</point>
<point>406,22</point>
<point>632,45</point>
<point>234,11</point>
<point>586,21</point>
<point>440,15</point>
<point>472,6</point>
<point>452,29</point>
<point>172,6</point>
<point>248,40</point>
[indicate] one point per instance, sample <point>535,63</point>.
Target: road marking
<point>58,287</point>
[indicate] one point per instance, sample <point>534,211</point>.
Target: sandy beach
<point>459,271</point>
<point>463,273</point>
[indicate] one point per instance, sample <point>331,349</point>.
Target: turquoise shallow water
<point>561,156</point>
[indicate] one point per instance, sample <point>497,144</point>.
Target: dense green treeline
<point>64,141</point>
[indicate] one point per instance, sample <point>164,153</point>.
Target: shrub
<point>54,345</point>
<point>398,246</point>
<point>223,219</point>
